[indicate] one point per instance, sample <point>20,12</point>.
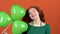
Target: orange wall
<point>51,10</point>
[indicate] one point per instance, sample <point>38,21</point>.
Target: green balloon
<point>17,12</point>
<point>5,19</point>
<point>19,27</point>
<point>16,33</point>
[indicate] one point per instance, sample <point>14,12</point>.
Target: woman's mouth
<point>34,16</point>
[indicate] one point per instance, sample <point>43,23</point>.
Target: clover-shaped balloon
<point>17,12</point>
<point>5,19</point>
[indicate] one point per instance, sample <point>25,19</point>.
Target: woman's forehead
<point>32,9</point>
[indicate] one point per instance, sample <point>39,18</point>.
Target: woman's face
<point>33,13</point>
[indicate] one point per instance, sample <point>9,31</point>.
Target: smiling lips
<point>34,16</point>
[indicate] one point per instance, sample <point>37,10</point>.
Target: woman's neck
<point>37,21</point>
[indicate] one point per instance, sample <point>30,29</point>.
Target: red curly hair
<point>27,18</point>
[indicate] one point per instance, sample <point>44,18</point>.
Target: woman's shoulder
<point>30,23</point>
<point>45,24</point>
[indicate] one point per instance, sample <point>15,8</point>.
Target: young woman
<point>36,21</point>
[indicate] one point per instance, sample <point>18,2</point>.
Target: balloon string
<point>6,28</point>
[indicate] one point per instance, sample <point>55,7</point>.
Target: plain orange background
<point>51,9</point>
